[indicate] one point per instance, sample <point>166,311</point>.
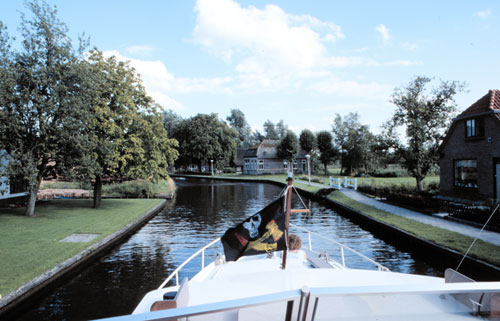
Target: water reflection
<point>201,211</point>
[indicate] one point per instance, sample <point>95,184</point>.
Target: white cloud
<point>271,48</point>
<point>160,83</point>
<point>484,14</point>
<point>384,33</point>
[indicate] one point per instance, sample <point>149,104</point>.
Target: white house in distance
<point>8,188</point>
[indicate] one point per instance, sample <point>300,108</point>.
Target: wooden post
<point>287,217</point>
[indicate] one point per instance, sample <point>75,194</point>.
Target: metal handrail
<point>342,247</point>
<point>176,271</point>
<point>315,293</point>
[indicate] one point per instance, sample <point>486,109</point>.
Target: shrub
<point>138,189</point>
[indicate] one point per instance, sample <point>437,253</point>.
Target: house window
<point>295,164</point>
<point>261,164</point>
<point>304,165</point>
<point>474,127</point>
<point>466,173</point>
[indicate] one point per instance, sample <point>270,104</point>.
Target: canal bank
<point>12,300</point>
<point>420,241</point>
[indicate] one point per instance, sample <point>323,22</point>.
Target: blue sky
<point>300,61</point>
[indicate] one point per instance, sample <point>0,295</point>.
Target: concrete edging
<point>13,298</point>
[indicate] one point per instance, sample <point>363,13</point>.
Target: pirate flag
<point>263,232</point>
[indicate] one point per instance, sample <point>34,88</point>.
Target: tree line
<point>423,112</point>
<point>72,112</point>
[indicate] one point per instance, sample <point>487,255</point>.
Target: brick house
<point>263,159</point>
<point>470,153</point>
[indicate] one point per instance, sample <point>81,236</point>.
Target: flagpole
<point>287,216</point>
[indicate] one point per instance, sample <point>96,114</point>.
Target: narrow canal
<point>201,211</point>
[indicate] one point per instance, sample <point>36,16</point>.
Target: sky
<point>299,61</point>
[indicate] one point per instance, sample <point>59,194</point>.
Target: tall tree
<point>281,129</point>
<point>237,121</point>
<point>307,141</point>
<point>425,113</point>
<point>327,153</point>
<point>126,134</point>
<point>288,147</point>
<point>203,138</point>
<point>270,130</point>
<point>170,121</point>
<point>41,110</point>
<point>355,142</point>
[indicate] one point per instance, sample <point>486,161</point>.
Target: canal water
<point>201,211</point>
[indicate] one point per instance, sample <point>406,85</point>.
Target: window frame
<point>456,184</point>
<point>474,128</point>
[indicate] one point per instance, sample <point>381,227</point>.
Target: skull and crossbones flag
<point>263,232</point>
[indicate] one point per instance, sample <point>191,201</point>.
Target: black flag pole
<point>287,216</point>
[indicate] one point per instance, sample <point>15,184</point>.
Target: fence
<point>348,182</point>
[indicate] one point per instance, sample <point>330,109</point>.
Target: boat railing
<point>176,271</point>
<point>342,247</point>
<point>308,299</point>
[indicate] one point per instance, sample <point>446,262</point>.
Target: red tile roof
<point>489,102</point>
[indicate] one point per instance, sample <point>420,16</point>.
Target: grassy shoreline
<point>30,246</point>
<point>484,251</point>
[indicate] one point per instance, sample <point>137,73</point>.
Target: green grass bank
<point>30,246</point>
<point>481,250</point>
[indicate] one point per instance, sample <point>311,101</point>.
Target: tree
<point>281,129</point>
<point>239,123</point>
<point>355,142</point>
<point>425,114</point>
<point>41,110</point>
<point>288,147</point>
<point>326,149</point>
<point>126,137</point>
<point>203,138</point>
<point>307,141</point>
<point>270,130</point>
<point>170,121</point>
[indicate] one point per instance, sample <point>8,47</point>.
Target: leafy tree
<point>270,130</point>
<point>425,114</point>
<point>307,141</point>
<point>288,147</point>
<point>170,121</point>
<point>327,152</point>
<point>203,138</point>
<point>355,142</point>
<point>239,123</point>
<point>281,129</point>
<point>126,134</point>
<point>257,137</point>
<point>41,108</point>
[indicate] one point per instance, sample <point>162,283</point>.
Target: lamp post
<point>285,165</point>
<point>212,165</point>
<point>308,168</point>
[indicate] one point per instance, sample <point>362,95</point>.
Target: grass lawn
<point>482,250</point>
<point>30,246</point>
